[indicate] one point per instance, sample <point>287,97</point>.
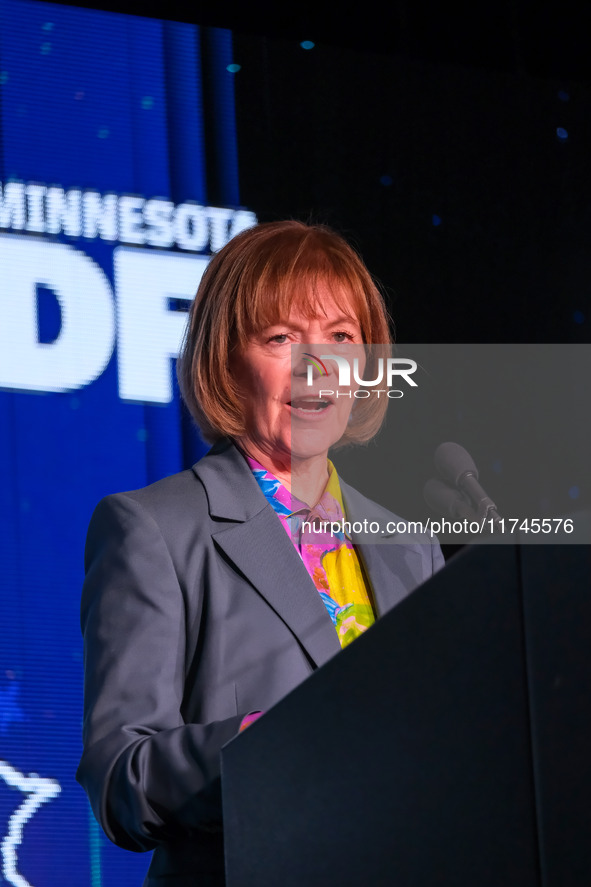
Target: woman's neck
<point>305,479</point>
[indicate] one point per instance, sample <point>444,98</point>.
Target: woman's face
<point>286,417</point>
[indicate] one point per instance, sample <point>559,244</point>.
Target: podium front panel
<point>557,605</point>
<point>406,759</point>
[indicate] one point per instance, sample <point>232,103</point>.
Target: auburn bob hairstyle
<point>252,283</point>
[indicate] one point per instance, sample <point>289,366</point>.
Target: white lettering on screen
<point>136,317</point>
<point>128,218</point>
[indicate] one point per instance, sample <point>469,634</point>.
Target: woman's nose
<point>299,360</point>
<point>309,364</point>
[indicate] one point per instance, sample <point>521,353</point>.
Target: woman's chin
<point>306,443</point>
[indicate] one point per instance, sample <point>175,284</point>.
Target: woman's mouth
<point>309,405</point>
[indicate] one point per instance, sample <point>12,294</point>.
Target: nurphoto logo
<point>400,368</point>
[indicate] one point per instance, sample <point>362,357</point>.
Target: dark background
<point>544,39</point>
<point>451,148</point>
<point>430,138</point>
<point>449,145</point>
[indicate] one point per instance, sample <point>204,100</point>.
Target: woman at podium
<point>211,594</point>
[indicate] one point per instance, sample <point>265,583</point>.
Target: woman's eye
<point>343,337</point>
<point>279,339</point>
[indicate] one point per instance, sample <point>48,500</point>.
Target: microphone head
<point>441,498</point>
<point>453,462</point>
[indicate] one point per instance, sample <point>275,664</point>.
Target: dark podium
<point>449,745</point>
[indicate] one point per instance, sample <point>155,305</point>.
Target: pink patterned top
<point>329,557</point>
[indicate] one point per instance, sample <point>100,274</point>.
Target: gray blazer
<point>196,610</point>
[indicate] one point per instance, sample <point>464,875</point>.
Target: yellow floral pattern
<point>330,558</point>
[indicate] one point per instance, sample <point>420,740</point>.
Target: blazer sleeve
<point>150,776</point>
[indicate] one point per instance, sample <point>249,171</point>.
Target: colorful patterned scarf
<point>330,558</point>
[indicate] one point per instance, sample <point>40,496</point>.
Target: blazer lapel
<point>262,551</point>
<point>394,563</point>
<point>394,571</point>
<point>254,540</point>
<point>252,537</point>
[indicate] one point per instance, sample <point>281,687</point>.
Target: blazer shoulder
<point>169,493</point>
<point>169,503</point>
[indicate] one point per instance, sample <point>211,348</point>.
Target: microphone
<point>457,468</point>
<point>447,501</point>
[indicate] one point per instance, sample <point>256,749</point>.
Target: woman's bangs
<point>273,301</point>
